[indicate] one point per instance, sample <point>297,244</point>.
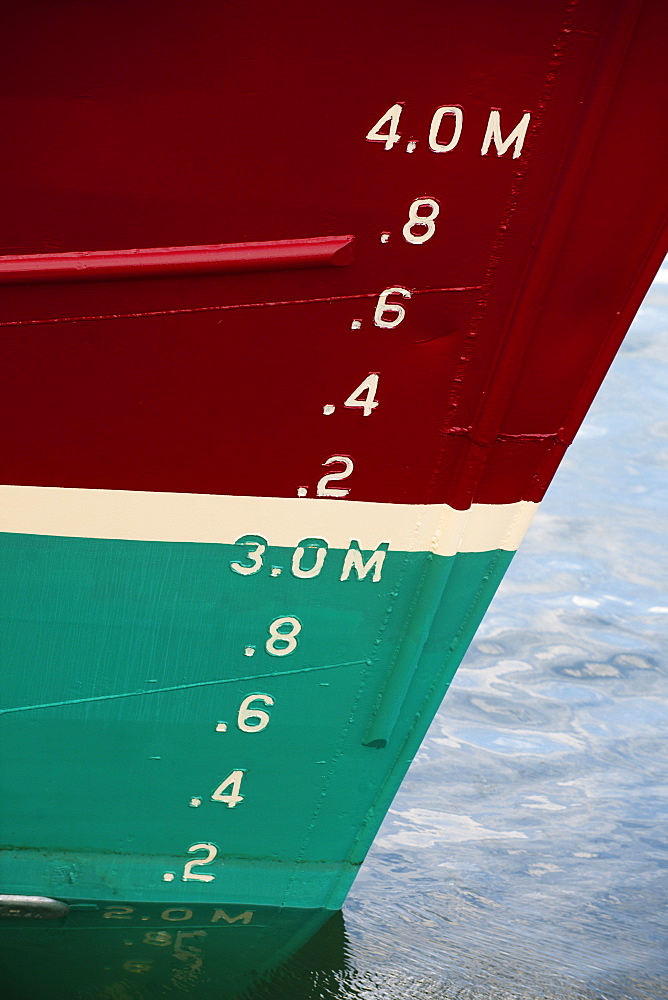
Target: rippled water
<point>525,855</point>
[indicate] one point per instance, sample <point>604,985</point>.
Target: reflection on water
<point>525,856</point>
<point>145,951</point>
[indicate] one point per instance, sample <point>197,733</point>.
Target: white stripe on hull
<point>284,521</point>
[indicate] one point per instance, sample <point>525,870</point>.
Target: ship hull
<point>148,649</point>
<point>300,310</point>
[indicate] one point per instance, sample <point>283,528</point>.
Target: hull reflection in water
<point>141,951</point>
<point>112,951</point>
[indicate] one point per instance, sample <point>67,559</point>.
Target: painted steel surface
<point>253,520</point>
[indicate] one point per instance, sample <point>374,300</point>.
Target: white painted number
<point>246,713</point>
<point>232,798</point>
<point>323,490</point>
<point>355,561</point>
<point>391,116</point>
<point>516,137</point>
<point>439,115</point>
<point>369,402</point>
<point>159,938</point>
<point>187,953</point>
<point>396,310</point>
<point>259,544</point>
<point>493,134</point>
<point>134,966</point>
<point>320,546</point>
<point>286,636</point>
<point>415,219</point>
<point>183,914</point>
<point>211,853</point>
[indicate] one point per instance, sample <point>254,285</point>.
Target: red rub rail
<point>220,258</point>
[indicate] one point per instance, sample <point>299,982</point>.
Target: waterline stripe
<point>283,521</point>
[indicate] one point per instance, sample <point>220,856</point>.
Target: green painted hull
<point>127,655</point>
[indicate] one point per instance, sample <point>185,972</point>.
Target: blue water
<point>526,855</point>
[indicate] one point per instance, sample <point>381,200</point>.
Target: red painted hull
<point>201,124</point>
